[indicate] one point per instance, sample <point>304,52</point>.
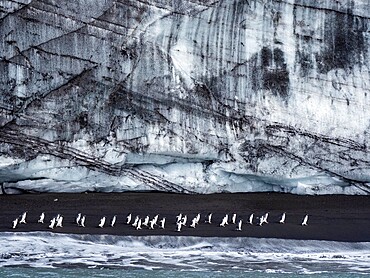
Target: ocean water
<point>46,254</point>
<point>69,273</point>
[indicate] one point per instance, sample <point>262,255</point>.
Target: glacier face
<point>185,96</point>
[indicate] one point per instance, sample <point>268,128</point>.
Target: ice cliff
<point>185,96</point>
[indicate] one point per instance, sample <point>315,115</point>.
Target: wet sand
<point>331,217</point>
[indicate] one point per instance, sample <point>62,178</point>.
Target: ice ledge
<point>279,159</point>
<point>48,174</point>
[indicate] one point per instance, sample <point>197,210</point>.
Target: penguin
<point>113,221</point>
<point>59,222</point>
<point>233,218</point>
<point>151,224</point>
<point>224,221</point>
<point>138,226</point>
<point>78,218</point>
<point>135,221</point>
<point>155,219</point>
<point>102,222</point>
<point>52,223</point>
<point>251,219</point>
<point>193,222</point>
<point>282,219</point>
<point>82,221</point>
<point>179,218</point>
<point>23,218</point>
<point>128,219</point>
<point>42,217</point>
<point>209,218</point>
<point>146,221</point>
<point>239,228</point>
<point>197,219</point>
<point>162,222</point>
<point>184,220</point>
<point>305,219</point>
<point>179,225</point>
<point>57,217</point>
<point>262,220</point>
<point>15,223</point>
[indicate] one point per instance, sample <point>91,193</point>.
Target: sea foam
<point>52,250</point>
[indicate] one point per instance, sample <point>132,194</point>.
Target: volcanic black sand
<point>331,217</point>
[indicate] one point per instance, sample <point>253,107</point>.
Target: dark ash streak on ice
<point>190,97</point>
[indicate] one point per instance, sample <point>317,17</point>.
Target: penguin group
<point>137,222</point>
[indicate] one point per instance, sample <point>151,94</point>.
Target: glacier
<point>194,96</point>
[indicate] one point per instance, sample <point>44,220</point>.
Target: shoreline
<point>331,217</point>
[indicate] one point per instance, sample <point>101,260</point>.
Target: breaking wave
<point>172,253</point>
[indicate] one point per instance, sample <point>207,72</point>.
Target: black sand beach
<point>331,217</point>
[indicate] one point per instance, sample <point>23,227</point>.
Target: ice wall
<point>185,96</point>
